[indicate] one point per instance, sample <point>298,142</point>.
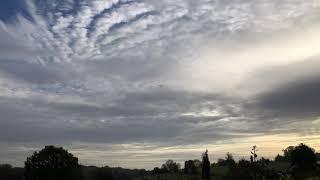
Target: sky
<point>133,83</point>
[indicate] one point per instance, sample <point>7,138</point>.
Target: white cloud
<point>229,66</point>
<point>177,72</point>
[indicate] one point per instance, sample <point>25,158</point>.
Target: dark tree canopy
<point>171,166</point>
<point>303,157</point>
<point>52,163</point>
<point>228,161</point>
<point>287,153</point>
<point>286,157</point>
<point>205,166</point>
<point>190,167</point>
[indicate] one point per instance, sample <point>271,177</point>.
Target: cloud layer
<point>136,82</point>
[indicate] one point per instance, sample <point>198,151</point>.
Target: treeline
<point>54,163</point>
<point>296,162</point>
<point>7,172</point>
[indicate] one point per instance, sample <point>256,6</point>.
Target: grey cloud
<point>298,99</point>
<point>29,72</point>
<point>141,117</point>
<point>118,81</point>
<point>288,91</point>
<point>14,48</point>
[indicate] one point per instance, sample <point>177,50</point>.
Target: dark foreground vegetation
<point>52,163</point>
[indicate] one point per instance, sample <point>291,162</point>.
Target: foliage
<point>286,155</point>
<point>171,167</point>
<point>228,161</point>
<point>303,157</point>
<point>205,166</point>
<point>52,163</point>
<point>190,167</point>
<point>303,161</point>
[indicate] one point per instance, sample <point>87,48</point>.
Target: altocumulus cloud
<point>132,82</point>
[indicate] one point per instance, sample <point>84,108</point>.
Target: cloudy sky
<point>133,83</point>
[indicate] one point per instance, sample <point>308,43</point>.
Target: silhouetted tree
<point>205,166</point>
<point>197,163</point>
<point>279,158</point>
<point>228,161</point>
<point>254,154</point>
<point>303,157</point>
<point>156,170</point>
<point>190,167</point>
<point>171,167</point>
<point>264,161</point>
<point>52,163</point>
<point>253,158</point>
<point>242,170</point>
<point>287,153</point>
<point>303,161</point>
